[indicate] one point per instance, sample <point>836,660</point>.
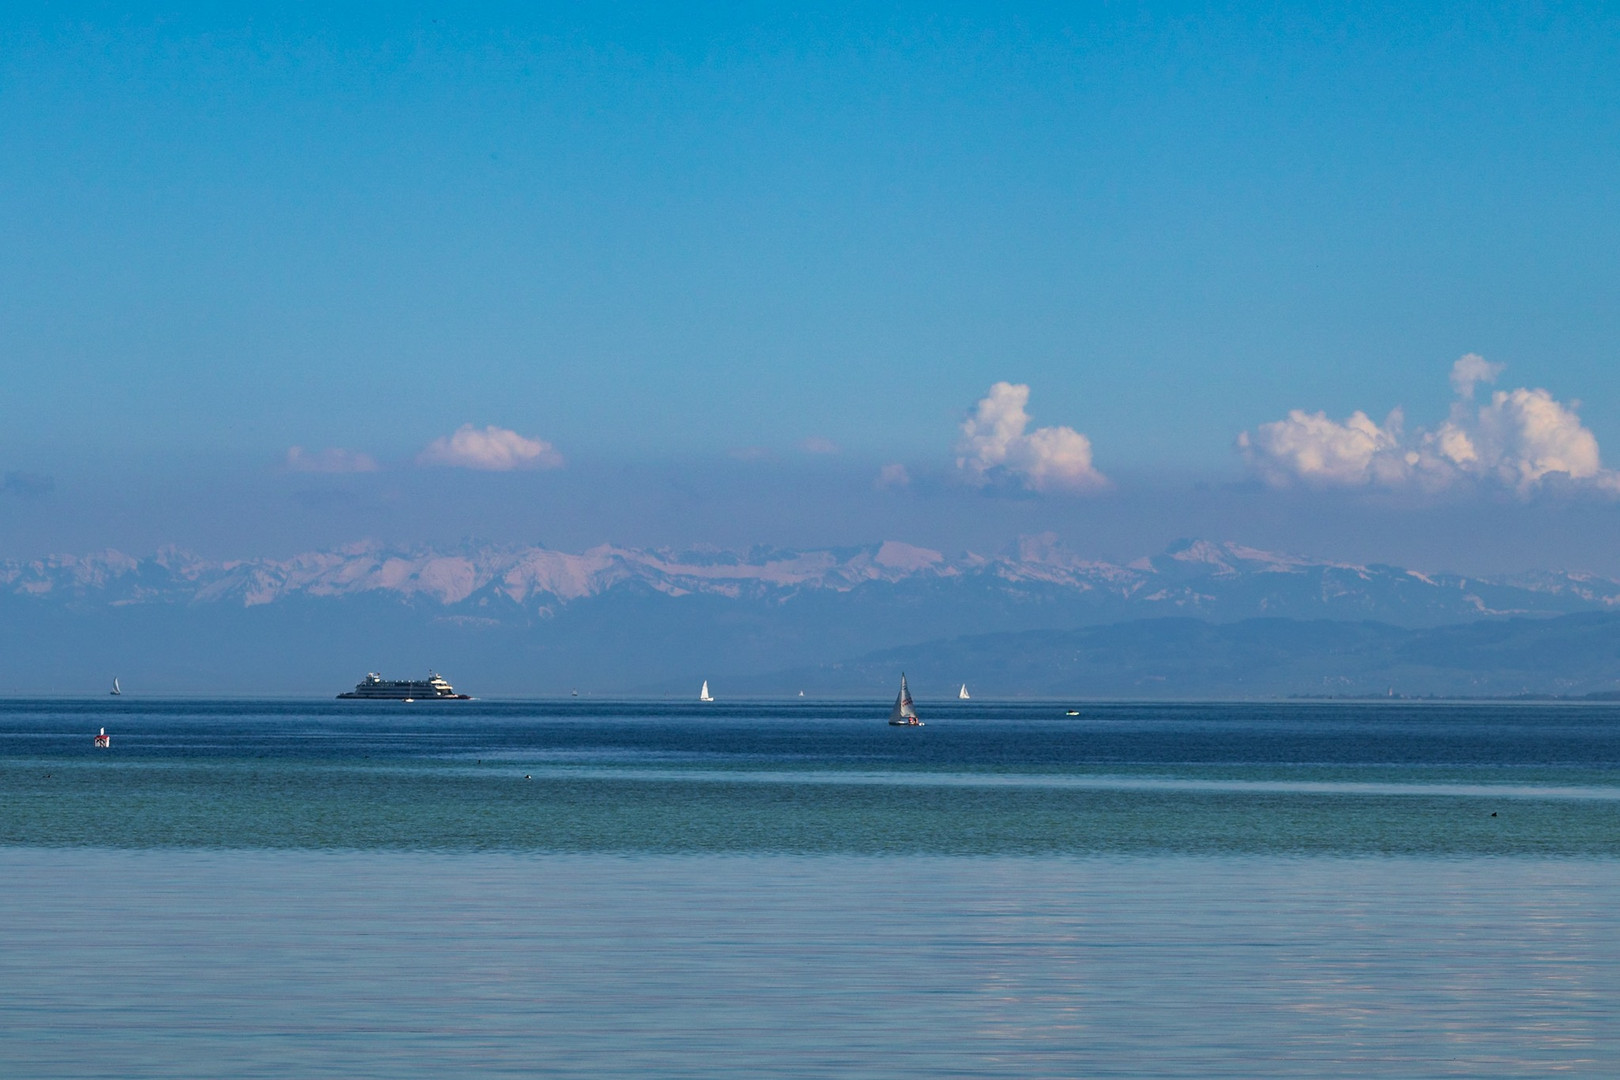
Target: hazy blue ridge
<point>1567,655</point>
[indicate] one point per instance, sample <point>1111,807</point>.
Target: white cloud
<point>1525,436</point>
<point>1470,369</point>
<point>1518,439</point>
<point>1317,450</point>
<point>492,448</point>
<point>333,459</point>
<point>892,477</point>
<point>994,448</point>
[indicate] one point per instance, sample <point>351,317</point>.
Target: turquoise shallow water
<point>623,889</point>
<point>981,779</point>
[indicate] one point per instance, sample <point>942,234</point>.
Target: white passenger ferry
<point>432,688</point>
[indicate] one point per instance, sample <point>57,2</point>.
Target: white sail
<point>703,694</point>
<point>962,693</point>
<point>904,712</point>
<point>116,688</point>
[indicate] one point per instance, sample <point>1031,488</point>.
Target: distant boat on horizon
<point>703,694</point>
<point>904,713</point>
<point>962,693</point>
<point>116,690</point>
<point>433,688</point>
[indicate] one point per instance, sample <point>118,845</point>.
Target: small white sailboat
<point>703,694</point>
<point>116,690</point>
<point>904,713</point>
<point>962,693</point>
<point>801,693</point>
<point>104,740</point>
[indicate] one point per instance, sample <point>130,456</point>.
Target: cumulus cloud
<point>493,449</point>
<point>994,448</point>
<point>1517,439</point>
<point>1470,370</point>
<point>1525,436</point>
<point>333,459</point>
<point>1311,447</point>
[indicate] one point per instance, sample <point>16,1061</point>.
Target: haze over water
<point>357,889</point>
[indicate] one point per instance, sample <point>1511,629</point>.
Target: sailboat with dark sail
<point>904,713</point>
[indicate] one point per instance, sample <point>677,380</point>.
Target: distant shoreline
<point>951,703</point>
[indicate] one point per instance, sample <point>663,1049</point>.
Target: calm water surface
<point>624,889</point>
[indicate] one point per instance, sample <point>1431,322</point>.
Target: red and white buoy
<point>104,740</point>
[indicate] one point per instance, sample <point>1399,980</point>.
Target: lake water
<point>644,889</point>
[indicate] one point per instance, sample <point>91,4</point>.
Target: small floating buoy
<point>104,740</point>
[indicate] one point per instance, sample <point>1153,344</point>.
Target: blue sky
<point>763,254</point>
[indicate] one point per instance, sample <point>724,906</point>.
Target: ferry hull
<point>352,696</point>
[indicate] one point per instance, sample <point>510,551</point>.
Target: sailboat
<point>116,690</point>
<point>703,694</point>
<point>904,713</point>
<point>962,693</point>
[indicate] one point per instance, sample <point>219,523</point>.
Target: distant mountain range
<point>528,620</point>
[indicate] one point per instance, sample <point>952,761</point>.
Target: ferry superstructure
<point>432,688</point>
